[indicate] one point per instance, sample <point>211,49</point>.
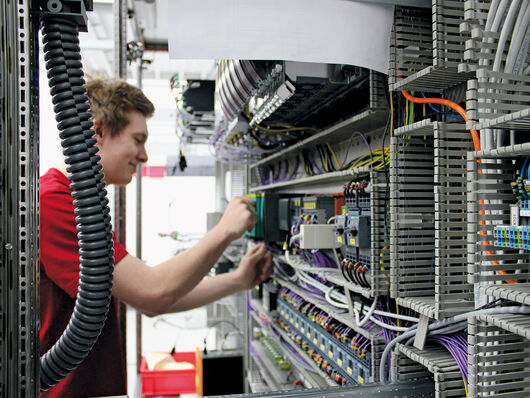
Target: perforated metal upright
<point>19,202</point>
<point>499,348</point>
<point>428,229</point>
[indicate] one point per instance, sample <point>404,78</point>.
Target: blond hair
<point>112,100</point>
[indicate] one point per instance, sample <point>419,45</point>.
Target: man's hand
<point>239,216</point>
<point>255,267</point>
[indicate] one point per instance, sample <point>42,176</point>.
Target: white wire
<point>519,31</point>
<point>285,275</point>
<point>499,15</point>
<point>495,17</point>
<point>294,237</point>
<point>396,316</point>
<point>387,326</point>
<point>299,264</point>
<point>333,302</point>
<point>337,297</point>
<point>491,14</point>
<point>362,322</point>
<point>336,256</point>
<point>505,32</point>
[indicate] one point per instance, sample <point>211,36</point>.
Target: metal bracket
<point>71,9</point>
<point>135,51</point>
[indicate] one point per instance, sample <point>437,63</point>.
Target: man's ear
<point>98,132</point>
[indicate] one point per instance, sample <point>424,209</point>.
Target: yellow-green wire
<point>333,154</point>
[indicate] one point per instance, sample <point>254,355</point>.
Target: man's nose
<point>142,155</point>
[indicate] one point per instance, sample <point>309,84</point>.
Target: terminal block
<point>358,230</point>
<point>275,353</point>
<point>339,228</point>
<point>513,237</point>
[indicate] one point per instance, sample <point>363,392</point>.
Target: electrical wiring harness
<point>443,325</point>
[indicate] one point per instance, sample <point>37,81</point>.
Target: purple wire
<point>216,135</point>
<point>273,249</point>
<point>350,144</point>
<point>388,336</point>
<point>456,344</point>
<point>286,171</point>
<point>263,180</point>
<point>250,307</point>
<point>276,173</point>
<point>295,170</point>
<point>314,163</point>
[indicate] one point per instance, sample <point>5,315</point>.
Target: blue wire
<point>525,164</point>
<point>443,113</point>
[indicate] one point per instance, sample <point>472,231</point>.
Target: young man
<point>120,112</point>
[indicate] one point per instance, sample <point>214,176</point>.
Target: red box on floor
<point>169,382</point>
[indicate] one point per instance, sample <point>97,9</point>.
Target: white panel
<point>329,31</point>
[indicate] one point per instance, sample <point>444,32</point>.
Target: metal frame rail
<point>19,201</point>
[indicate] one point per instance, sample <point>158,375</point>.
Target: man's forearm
<point>156,290</point>
<point>183,272</point>
<point>170,281</point>
<point>207,291</point>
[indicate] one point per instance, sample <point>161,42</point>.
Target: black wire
<point>321,156</point>
<point>344,273</point>
<point>286,171</point>
<point>308,165</point>
<point>264,144</point>
<point>354,276</point>
<point>363,277</point>
<point>331,163</point>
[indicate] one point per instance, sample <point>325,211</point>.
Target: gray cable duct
<point>443,324</point>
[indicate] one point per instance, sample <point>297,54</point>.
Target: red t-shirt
<point>103,371</point>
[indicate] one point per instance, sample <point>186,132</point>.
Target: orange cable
<point>450,104</point>
<point>476,144</point>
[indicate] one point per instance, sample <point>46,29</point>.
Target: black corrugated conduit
<point>63,63</point>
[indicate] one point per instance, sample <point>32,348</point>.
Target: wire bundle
<point>377,159</point>
<point>445,326</point>
<point>354,272</point>
<point>456,344</point>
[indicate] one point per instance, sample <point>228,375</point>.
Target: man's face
<point>120,154</point>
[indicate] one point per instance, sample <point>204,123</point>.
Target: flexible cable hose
<point>63,63</point>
